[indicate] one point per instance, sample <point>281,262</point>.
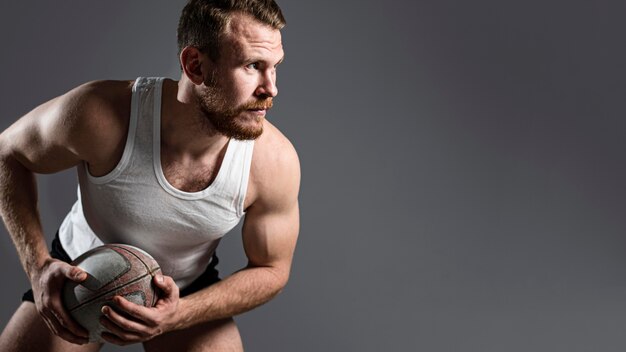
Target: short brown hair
<point>202,22</point>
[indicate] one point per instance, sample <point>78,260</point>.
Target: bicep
<point>272,223</point>
<point>269,237</point>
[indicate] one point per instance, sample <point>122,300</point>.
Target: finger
<point>120,321</point>
<point>136,311</point>
<point>167,285</point>
<point>66,321</point>
<point>68,336</point>
<point>55,325</point>
<point>75,273</point>
<point>119,324</point>
<point>67,325</point>
<point>45,317</point>
<point>48,316</point>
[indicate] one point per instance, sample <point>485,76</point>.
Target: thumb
<point>166,284</point>
<point>75,273</point>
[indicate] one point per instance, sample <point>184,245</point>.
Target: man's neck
<point>184,130</point>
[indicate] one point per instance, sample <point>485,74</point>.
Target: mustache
<point>264,104</point>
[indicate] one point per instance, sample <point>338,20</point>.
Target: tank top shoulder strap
<point>142,92</point>
<point>235,173</point>
<point>147,92</point>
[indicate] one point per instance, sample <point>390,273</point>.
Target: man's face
<point>240,89</point>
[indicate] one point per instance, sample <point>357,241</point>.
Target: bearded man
<point>170,167</point>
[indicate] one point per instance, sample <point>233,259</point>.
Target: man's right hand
<point>47,284</point>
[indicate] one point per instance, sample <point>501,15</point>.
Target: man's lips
<point>259,108</point>
<point>257,112</point>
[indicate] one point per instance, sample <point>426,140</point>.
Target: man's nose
<point>267,85</point>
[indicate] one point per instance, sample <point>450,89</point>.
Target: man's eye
<point>253,66</point>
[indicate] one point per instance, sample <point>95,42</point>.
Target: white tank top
<point>135,204</point>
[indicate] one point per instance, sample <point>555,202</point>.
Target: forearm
<point>236,294</point>
<point>18,207</point>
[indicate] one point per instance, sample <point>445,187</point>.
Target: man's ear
<point>194,64</point>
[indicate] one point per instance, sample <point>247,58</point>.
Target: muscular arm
<point>55,136</point>
<point>263,278</point>
<point>32,144</point>
<point>20,214</point>
<point>269,234</point>
<point>77,126</point>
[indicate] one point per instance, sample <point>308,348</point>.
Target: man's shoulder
<point>103,93</point>
<point>97,116</point>
<point>100,104</point>
<point>274,150</point>
<point>275,169</point>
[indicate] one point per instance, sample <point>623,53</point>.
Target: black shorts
<point>208,278</point>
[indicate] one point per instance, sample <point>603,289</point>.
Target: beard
<point>227,119</point>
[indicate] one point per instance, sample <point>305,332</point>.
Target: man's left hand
<point>137,323</point>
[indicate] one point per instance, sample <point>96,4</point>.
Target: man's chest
<point>189,176</point>
<point>197,175</point>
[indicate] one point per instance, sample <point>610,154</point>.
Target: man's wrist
<point>180,318</point>
<point>37,265</point>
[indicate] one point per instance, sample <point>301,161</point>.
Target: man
<point>169,167</point>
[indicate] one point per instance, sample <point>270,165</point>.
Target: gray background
<point>463,164</point>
